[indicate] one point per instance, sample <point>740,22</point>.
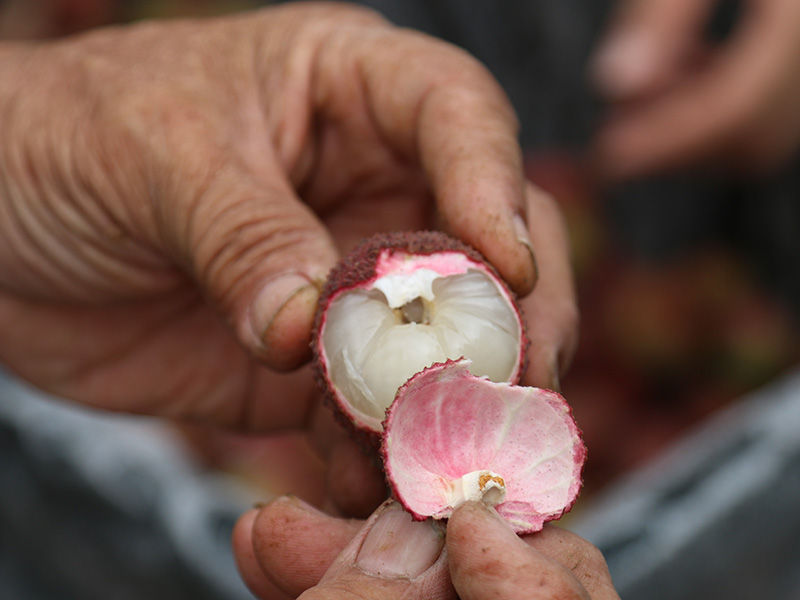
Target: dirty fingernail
<point>398,547</point>
<point>280,318</point>
<point>275,294</point>
<point>521,231</point>
<point>524,238</point>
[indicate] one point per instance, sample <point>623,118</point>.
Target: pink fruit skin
<point>392,262</point>
<point>445,423</point>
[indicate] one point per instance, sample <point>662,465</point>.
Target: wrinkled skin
<point>171,195</point>
<point>678,101</point>
<point>287,550</point>
<point>191,163</point>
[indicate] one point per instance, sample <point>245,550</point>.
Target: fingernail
<point>524,238</point>
<point>521,231</point>
<point>293,297</point>
<point>275,294</point>
<point>544,371</point>
<point>399,547</point>
<point>624,65</point>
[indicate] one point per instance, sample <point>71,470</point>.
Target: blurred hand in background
<point>678,98</point>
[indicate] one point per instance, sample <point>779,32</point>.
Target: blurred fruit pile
<point>662,345</point>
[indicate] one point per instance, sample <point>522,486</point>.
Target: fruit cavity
<point>422,299</point>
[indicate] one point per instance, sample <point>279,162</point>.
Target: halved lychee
<point>402,302</point>
<point>451,436</point>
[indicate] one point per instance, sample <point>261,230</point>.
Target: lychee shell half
<point>400,303</point>
<point>450,436</point>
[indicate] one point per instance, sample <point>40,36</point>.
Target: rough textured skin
<point>359,266</point>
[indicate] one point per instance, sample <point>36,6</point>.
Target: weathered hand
<point>165,182</point>
<point>171,195</point>
<point>288,549</point>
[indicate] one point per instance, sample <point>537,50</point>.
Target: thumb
<point>393,556</point>
<point>488,560</point>
<point>260,255</point>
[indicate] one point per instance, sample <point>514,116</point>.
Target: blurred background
<point>684,383</point>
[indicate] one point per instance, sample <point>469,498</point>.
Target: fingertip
<point>483,552</point>
<point>242,536</point>
<point>257,252</point>
<point>489,560</point>
<point>507,248</point>
<point>518,271</point>
<point>624,66</point>
<point>550,355</point>
<point>504,241</point>
<point>543,370</point>
<point>551,311</point>
<point>281,319</point>
<point>476,521</point>
<point>295,543</point>
<point>246,562</point>
<point>647,44</point>
<point>523,278</point>
<point>475,534</point>
<point>397,546</point>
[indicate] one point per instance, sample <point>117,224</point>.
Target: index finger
<point>441,107</point>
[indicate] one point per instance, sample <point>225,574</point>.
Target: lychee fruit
<point>400,303</point>
<point>419,344</point>
<point>450,437</point>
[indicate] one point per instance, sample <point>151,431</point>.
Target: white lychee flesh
<point>417,310</point>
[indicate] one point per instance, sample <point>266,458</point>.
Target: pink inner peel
<point>445,423</point>
<point>392,262</point>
